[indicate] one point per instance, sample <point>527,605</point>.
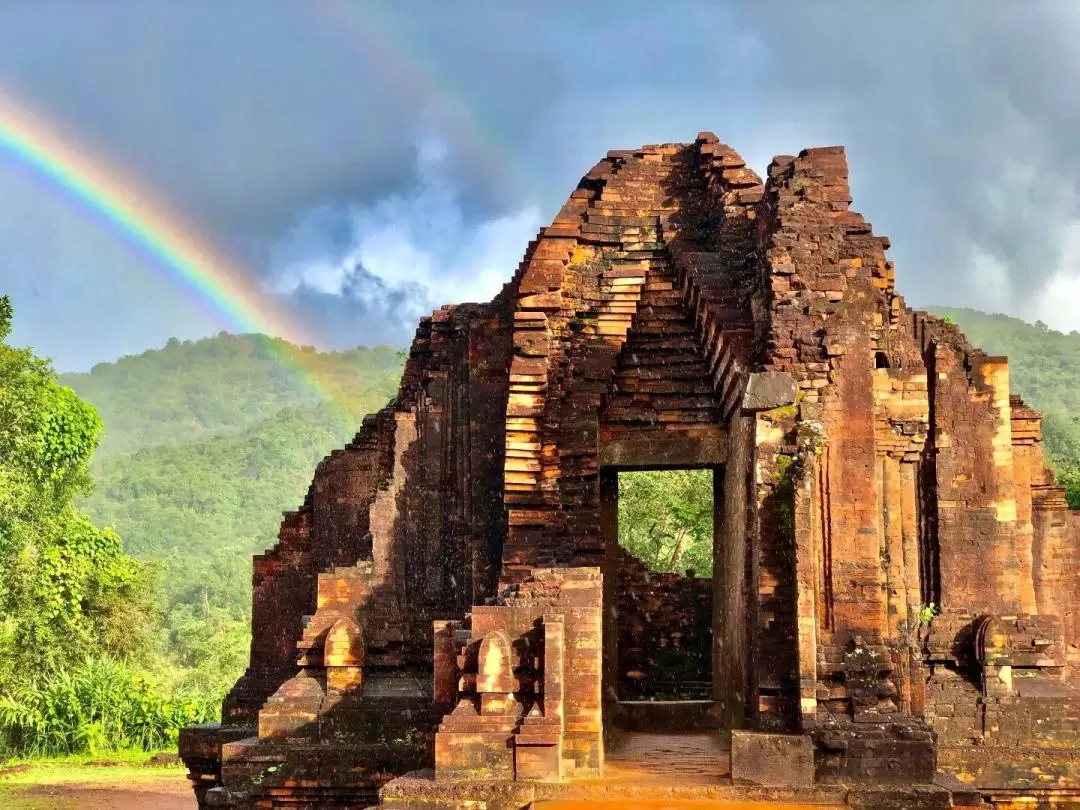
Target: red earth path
<point>134,796</point>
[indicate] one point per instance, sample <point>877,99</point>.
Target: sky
<point>366,162</point>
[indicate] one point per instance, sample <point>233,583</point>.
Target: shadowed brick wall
<point>665,634</point>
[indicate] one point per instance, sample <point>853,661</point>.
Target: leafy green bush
<point>100,705</point>
<point>67,589</point>
<point>1068,476</point>
<point>72,603</point>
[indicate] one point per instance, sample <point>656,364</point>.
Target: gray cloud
<point>247,111</point>
<point>960,123</point>
<point>287,132</point>
<point>365,310</point>
<point>395,260</point>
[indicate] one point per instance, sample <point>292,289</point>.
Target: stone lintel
<point>766,390</point>
<point>660,450</point>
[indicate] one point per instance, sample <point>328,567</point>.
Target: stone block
<point>769,389</point>
<point>537,763</point>
<point>772,760</point>
<point>478,755</point>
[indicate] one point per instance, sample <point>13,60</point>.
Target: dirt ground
<point>171,792</point>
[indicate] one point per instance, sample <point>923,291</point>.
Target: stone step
<point>594,217</point>
<point>636,357</point>
<point>674,328</point>
<point>668,310</point>
<point>652,315</point>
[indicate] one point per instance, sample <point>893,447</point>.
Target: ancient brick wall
<point>1057,558</point>
<point>817,291</point>
<point>918,479</point>
<point>655,239</point>
<point>285,576</point>
<point>903,473</point>
<point>416,493</point>
<point>976,511</point>
<point>664,634</point>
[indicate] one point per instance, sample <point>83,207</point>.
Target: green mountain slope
<point>192,390</point>
<point>204,508</point>
<point>1044,368</point>
<point>208,442</point>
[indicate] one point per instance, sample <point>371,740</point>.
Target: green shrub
<point>101,705</point>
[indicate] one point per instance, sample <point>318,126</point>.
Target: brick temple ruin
<point>448,620</point>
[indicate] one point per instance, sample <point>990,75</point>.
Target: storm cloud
<point>294,134</point>
<point>368,272</point>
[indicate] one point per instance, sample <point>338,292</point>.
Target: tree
<point>666,519</point>
<point>1068,476</point>
<point>66,587</point>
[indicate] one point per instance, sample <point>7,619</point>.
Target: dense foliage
<point>204,508</point>
<point>97,705</point>
<point>72,602</point>
<point>666,519</point>
<point>66,586</point>
<point>207,443</point>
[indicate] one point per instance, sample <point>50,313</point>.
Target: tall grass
<point>99,706</point>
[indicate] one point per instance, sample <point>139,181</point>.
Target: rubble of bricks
<point>892,618</point>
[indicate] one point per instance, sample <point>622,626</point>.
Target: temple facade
<point>449,621</point>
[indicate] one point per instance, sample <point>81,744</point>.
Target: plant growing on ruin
<point>810,435</point>
<point>927,613</point>
<point>788,471</point>
<point>786,411</point>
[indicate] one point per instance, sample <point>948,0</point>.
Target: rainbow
<point>205,276</point>
<point>202,273</point>
<point>147,224</point>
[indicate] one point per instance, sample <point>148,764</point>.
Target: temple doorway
<point>660,528</point>
<point>664,584</point>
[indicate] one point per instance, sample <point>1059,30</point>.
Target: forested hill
<point>202,509</point>
<point>194,390</point>
<point>1044,368</point>
<point>206,444</point>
